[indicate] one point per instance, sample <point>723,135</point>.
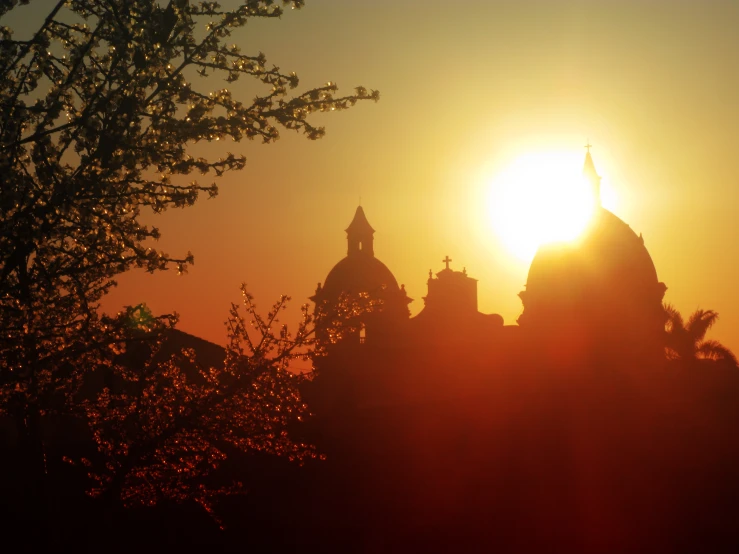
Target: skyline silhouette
<point>663,141</point>
<point>519,352</point>
<point>596,299</point>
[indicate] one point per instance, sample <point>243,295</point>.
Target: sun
<point>540,198</point>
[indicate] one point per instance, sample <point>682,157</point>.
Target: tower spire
<point>359,235</point>
<point>591,174</point>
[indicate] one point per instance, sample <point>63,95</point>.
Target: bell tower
<point>360,235</point>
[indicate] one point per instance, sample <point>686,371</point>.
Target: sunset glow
<point>662,141</point>
<point>540,198</point>
<point>324,277</point>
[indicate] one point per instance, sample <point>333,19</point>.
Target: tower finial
<point>591,175</point>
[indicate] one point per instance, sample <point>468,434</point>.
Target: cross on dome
<point>446,261</point>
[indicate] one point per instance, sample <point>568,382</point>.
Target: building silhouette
<point>360,273</point>
<point>602,289</point>
<point>595,300</point>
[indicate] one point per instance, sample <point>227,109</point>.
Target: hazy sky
<point>466,88</point>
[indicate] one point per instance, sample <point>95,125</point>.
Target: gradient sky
<point>466,88</point>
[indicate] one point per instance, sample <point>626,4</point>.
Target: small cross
<point>446,261</point>
<point>588,146</point>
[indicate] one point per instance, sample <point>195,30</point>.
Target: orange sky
<point>465,90</point>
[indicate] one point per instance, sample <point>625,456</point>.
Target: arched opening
<point>362,333</point>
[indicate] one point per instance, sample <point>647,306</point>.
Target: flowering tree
<point>99,106</point>
<point>172,421</point>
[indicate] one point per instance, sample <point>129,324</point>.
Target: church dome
<point>609,254</point>
<point>359,273</point>
<point>601,289</point>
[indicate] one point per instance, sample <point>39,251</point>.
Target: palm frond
<point>674,319</point>
<point>677,341</point>
<point>714,350</point>
<point>671,354</point>
<point>699,323</point>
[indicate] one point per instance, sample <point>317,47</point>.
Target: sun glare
<point>540,198</point>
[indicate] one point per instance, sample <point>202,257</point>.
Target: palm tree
<point>685,341</point>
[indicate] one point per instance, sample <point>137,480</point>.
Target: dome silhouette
<point>609,254</point>
<point>359,273</point>
<point>601,289</point>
